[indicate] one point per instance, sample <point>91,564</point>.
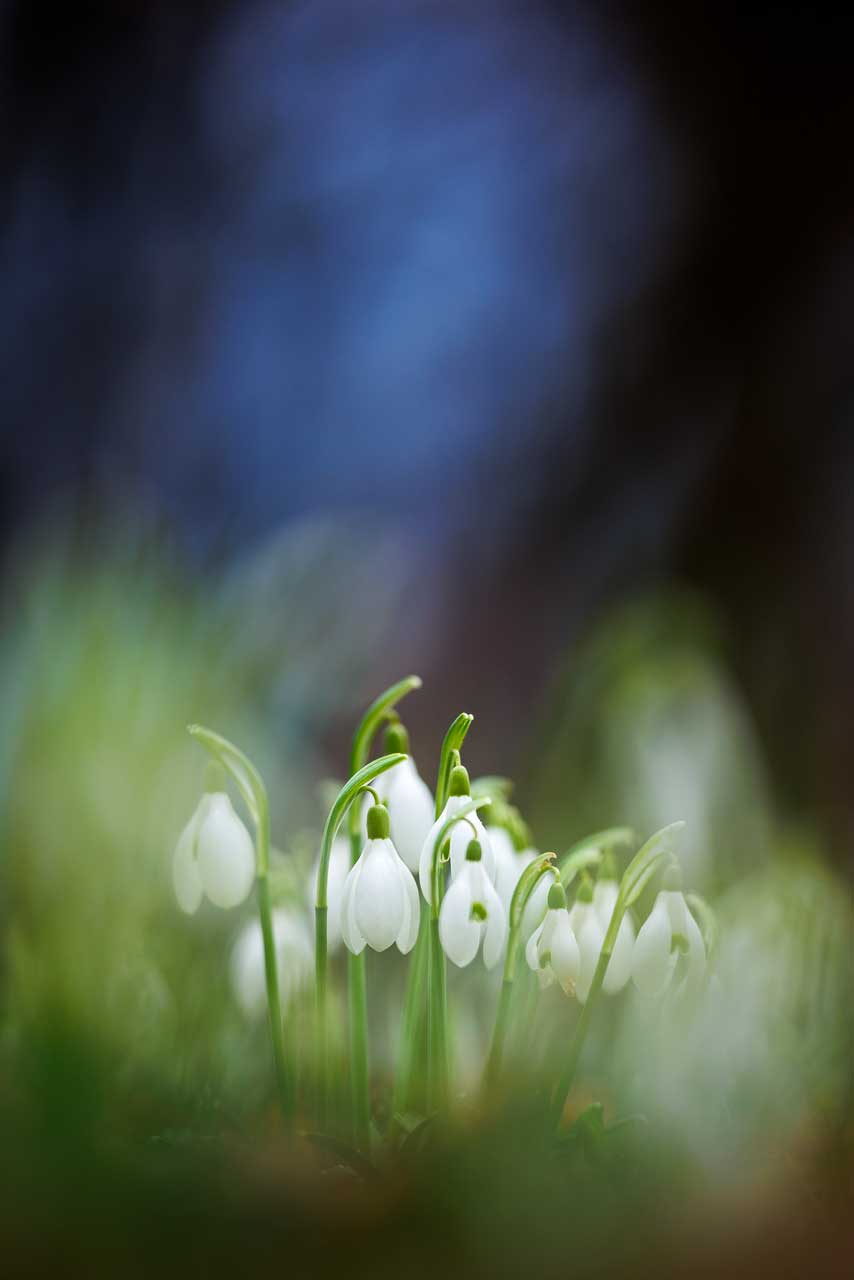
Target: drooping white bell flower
<point>590,935</point>
<point>336,875</point>
<point>670,931</point>
<point>472,913</point>
<point>379,905</point>
<point>408,798</point>
<point>535,907</point>
<point>620,965</point>
<point>294,960</point>
<point>459,791</point>
<point>552,950</point>
<point>214,856</point>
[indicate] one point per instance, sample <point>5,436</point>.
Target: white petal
<point>247,970</point>
<point>410,808</point>
<point>489,864</point>
<point>353,938</point>
<point>590,935</point>
<point>339,867</point>
<point>620,965</point>
<point>548,928</point>
<point>461,833</point>
<point>408,934</point>
<point>226,857</point>
<point>604,899</point>
<point>380,784</point>
<point>677,910</point>
<point>652,962</point>
<point>509,864</point>
<point>696,956</point>
<point>536,906</point>
<point>378,896</point>
<point>294,951</point>
<point>458,933</point>
<point>425,862</point>
<point>495,934</point>
<point>565,952</point>
<point>532,948</point>
<point>622,958</point>
<point>185,871</point>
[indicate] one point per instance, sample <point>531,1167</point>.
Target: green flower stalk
<point>343,801</point>
<point>254,793</point>
<point>645,864</point>
<point>424,963</point>
<point>380,710</point>
<point>437,998</point>
<point>528,881</point>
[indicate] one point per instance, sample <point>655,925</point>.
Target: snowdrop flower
<point>214,856</point>
<point>669,931</point>
<point>339,866</point>
<point>408,798</point>
<point>472,913</point>
<point>294,960</point>
<point>552,950</point>
<point>379,905</point>
<point>535,907</point>
<point>590,934</point>
<point>620,965</point>
<point>459,791</point>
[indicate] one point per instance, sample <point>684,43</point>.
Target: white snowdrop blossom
<point>294,960</point>
<point>339,866</point>
<point>590,935</point>
<point>552,950</point>
<point>379,905</point>
<point>472,913</point>
<point>214,856</point>
<point>620,965</point>
<point>410,809</point>
<point>461,834</point>
<point>670,931</point>
<point>535,907</point>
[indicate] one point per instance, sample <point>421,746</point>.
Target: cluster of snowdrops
<point>400,865</point>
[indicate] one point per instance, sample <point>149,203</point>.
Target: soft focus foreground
<point>139,1083</point>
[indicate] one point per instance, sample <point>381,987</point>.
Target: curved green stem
<point>437,992</point>
<point>343,801</point>
<point>254,793</point>
<point>411,1048</point>
<point>636,876</point>
<point>525,886</point>
<point>424,964</point>
<point>381,709</point>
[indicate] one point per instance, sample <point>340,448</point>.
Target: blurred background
<point>508,343</point>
